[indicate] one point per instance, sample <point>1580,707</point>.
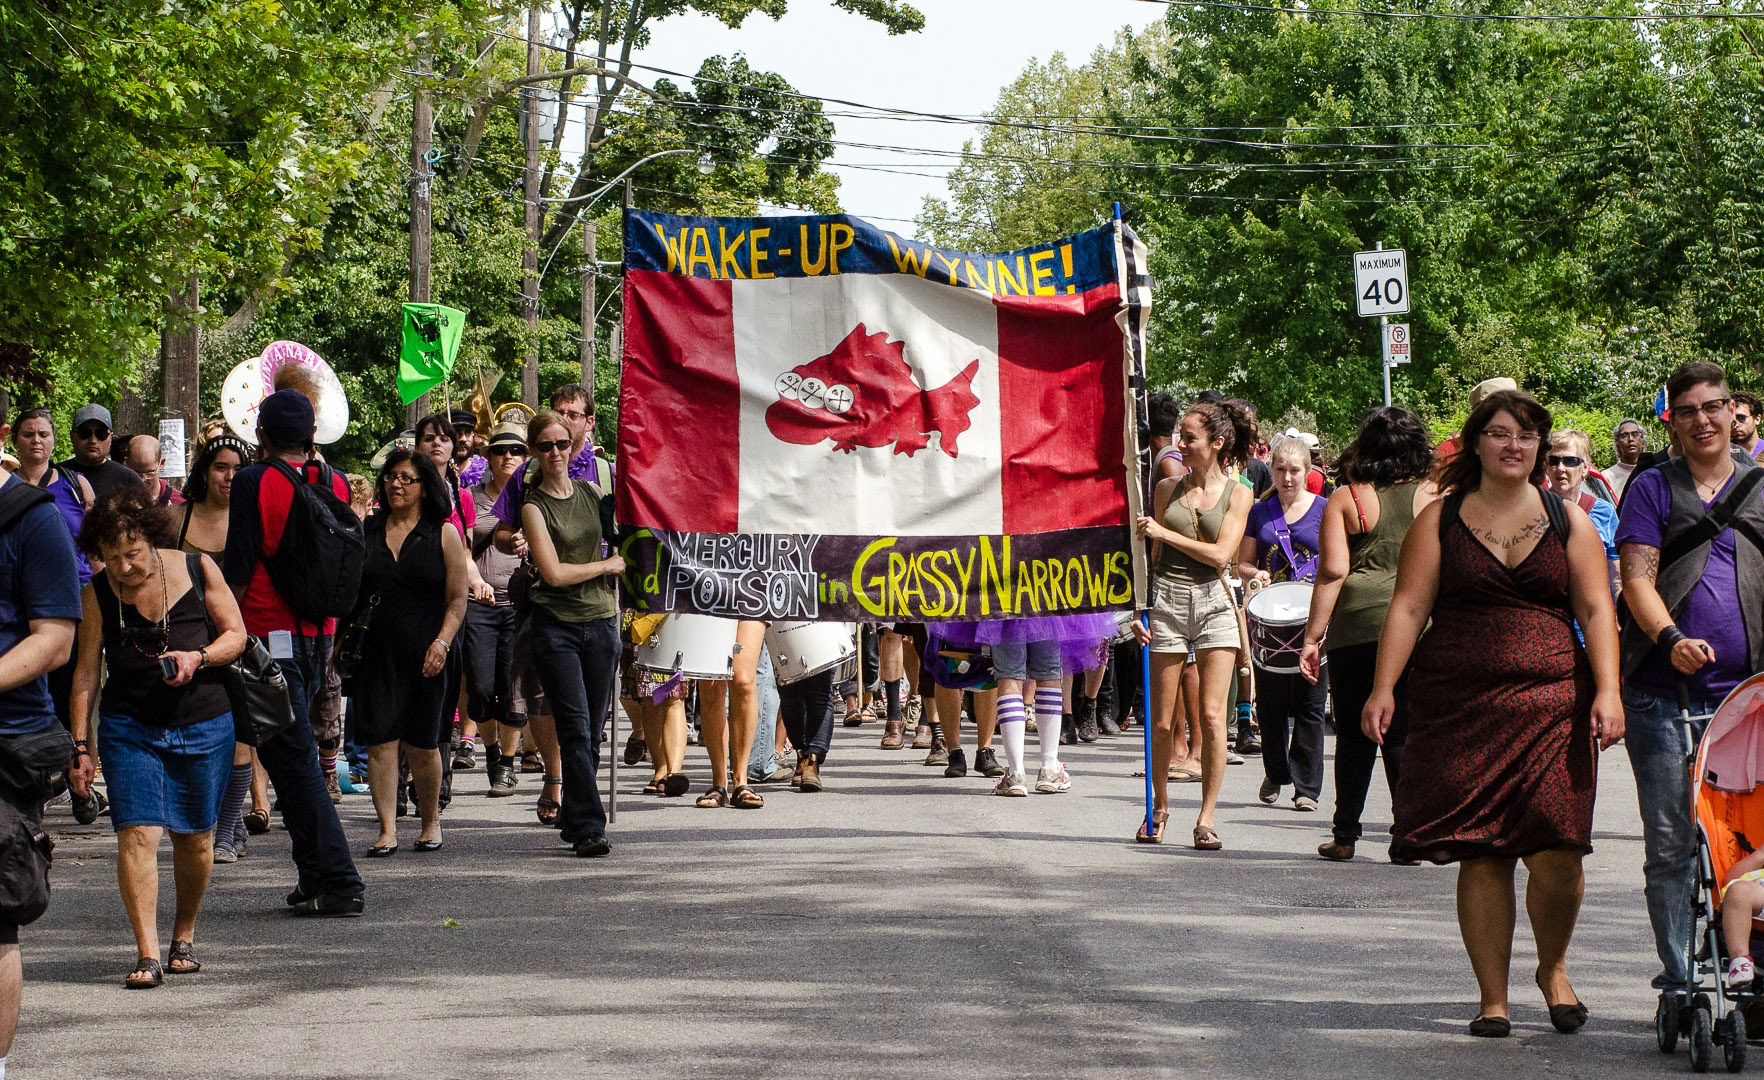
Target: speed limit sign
<point>1381,282</point>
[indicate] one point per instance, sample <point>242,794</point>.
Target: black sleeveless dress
<point>1501,759</point>
<point>393,700</point>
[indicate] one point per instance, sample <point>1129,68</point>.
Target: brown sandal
<point>1205,839</point>
<point>745,798</point>
<point>181,960</point>
<point>1156,836</point>
<point>713,799</point>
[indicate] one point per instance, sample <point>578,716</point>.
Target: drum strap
<point>1283,533</point>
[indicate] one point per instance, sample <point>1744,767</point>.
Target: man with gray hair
<point>147,458</point>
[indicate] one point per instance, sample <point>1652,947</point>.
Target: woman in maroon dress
<point>1501,762</point>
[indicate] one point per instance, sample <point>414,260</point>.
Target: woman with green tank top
<point>1196,526</point>
<point>1383,477</point>
<point>575,625</point>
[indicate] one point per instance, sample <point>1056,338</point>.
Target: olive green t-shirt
<point>1372,570</point>
<point>574,525</point>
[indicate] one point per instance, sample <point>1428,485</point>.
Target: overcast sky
<point>968,50</point>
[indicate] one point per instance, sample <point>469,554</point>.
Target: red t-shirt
<point>260,501</point>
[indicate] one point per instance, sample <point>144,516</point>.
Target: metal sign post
<point>1381,288</point>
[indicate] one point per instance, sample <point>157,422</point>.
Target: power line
<point>1460,16</point>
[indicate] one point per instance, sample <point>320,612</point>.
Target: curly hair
<point>1232,423</point>
<point>1392,447</point>
<point>1464,471</point>
<point>123,513</point>
<point>196,484</point>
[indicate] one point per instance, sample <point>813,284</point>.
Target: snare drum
<point>801,649</point>
<point>697,646</point>
<point>1277,615</point>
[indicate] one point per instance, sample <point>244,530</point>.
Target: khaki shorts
<point>1187,617</point>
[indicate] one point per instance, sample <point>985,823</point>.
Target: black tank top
<point>136,686</point>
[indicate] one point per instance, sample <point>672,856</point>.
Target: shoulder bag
<point>256,687</point>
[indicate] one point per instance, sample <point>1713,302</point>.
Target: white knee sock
<point>1010,726</point>
<point>1048,704</point>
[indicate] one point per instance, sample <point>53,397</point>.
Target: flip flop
<point>1184,776</point>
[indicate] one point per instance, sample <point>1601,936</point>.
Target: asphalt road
<point>898,924</point>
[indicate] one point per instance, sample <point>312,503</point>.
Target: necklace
<point>1715,485</point>
<point>151,641</point>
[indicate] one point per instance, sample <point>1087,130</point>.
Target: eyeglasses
<point>547,447</point>
<point>572,414</point>
<point>500,451</point>
<point>401,480</point>
<point>1566,460</point>
<point>1503,437</point>
<point>1684,414</point>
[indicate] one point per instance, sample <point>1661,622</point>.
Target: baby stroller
<point>1727,771</point>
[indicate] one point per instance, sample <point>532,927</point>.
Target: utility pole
<point>530,259</point>
<point>422,122</point>
<point>180,343</point>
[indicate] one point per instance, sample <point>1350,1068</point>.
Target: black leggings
<point>1351,670</point>
<point>808,714</point>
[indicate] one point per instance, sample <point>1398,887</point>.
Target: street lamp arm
<point>610,184</point>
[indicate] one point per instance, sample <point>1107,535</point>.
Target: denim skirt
<point>169,777</point>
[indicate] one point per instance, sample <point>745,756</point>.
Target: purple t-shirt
<point>1711,612</point>
<point>1304,537</point>
<point>582,467</point>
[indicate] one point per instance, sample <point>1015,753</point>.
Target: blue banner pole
<point>1145,713</point>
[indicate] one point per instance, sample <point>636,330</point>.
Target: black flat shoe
<point>426,845</point>
<point>329,906</point>
<point>1568,1018</point>
<point>382,851</point>
<point>1491,1027</point>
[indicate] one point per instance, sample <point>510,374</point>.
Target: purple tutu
<point>1083,639</point>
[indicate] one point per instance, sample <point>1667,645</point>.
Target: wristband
<point>202,655</point>
<point>1669,637</point>
<point>82,745</point>
<point>445,645</point>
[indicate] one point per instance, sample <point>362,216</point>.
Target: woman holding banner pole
<point>1196,525</point>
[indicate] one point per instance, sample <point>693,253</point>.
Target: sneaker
<point>1740,972</point>
<point>465,756</point>
<point>921,736</point>
<point>1013,785</point>
<point>331,788</point>
<point>938,755</point>
<point>1269,792</point>
<point>225,853</point>
<point>986,762</point>
<point>1052,781</point>
<point>502,780</point>
<point>958,763</point>
<point>781,771</point>
<point>1304,804</point>
<point>1232,757</point>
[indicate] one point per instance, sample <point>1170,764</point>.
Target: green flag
<point>431,341</point>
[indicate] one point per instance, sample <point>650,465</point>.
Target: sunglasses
<point>502,451</point>
<point>548,447</point>
<point>93,431</point>
<point>1566,460</point>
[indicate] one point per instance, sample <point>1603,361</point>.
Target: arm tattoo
<point>1639,561</point>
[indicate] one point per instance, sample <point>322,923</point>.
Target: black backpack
<point>317,566</point>
<point>1554,509</point>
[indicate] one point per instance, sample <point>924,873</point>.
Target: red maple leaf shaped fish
<point>863,394</point>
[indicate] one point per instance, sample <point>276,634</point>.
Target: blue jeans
<point>764,758</point>
<point>576,662</point>
<point>321,851</point>
<point>1658,752</point>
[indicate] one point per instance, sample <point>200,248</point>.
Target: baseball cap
<point>85,414</point>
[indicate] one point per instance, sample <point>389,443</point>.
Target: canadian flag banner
<point>819,419</point>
